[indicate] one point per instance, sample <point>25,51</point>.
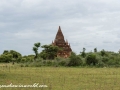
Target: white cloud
<point>27,34</point>
<point>85,23</point>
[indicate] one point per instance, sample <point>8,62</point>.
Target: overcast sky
<point>84,23</point>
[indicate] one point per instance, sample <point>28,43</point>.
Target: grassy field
<point>60,78</point>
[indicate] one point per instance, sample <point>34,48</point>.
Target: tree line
<point>48,57</point>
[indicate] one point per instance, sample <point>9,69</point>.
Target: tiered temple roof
<point>60,42</point>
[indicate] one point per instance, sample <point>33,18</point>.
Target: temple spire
<point>59,32</point>
<point>60,42</point>
<point>59,28</point>
<point>59,36</point>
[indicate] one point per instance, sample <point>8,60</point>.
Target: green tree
<point>95,50</point>
<point>49,51</point>
<point>6,58</point>
<point>83,54</point>
<point>16,56</point>
<point>35,49</point>
<point>5,52</point>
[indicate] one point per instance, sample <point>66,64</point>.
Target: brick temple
<point>60,42</point>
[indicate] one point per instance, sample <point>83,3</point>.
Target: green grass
<point>60,78</point>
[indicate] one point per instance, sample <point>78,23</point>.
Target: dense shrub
<point>103,52</point>
<point>105,59</point>
<point>64,62</point>
<point>49,63</point>
<point>91,59</point>
<point>75,60</point>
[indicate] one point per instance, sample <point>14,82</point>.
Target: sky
<point>84,23</point>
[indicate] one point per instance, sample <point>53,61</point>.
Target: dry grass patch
<point>61,78</point>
